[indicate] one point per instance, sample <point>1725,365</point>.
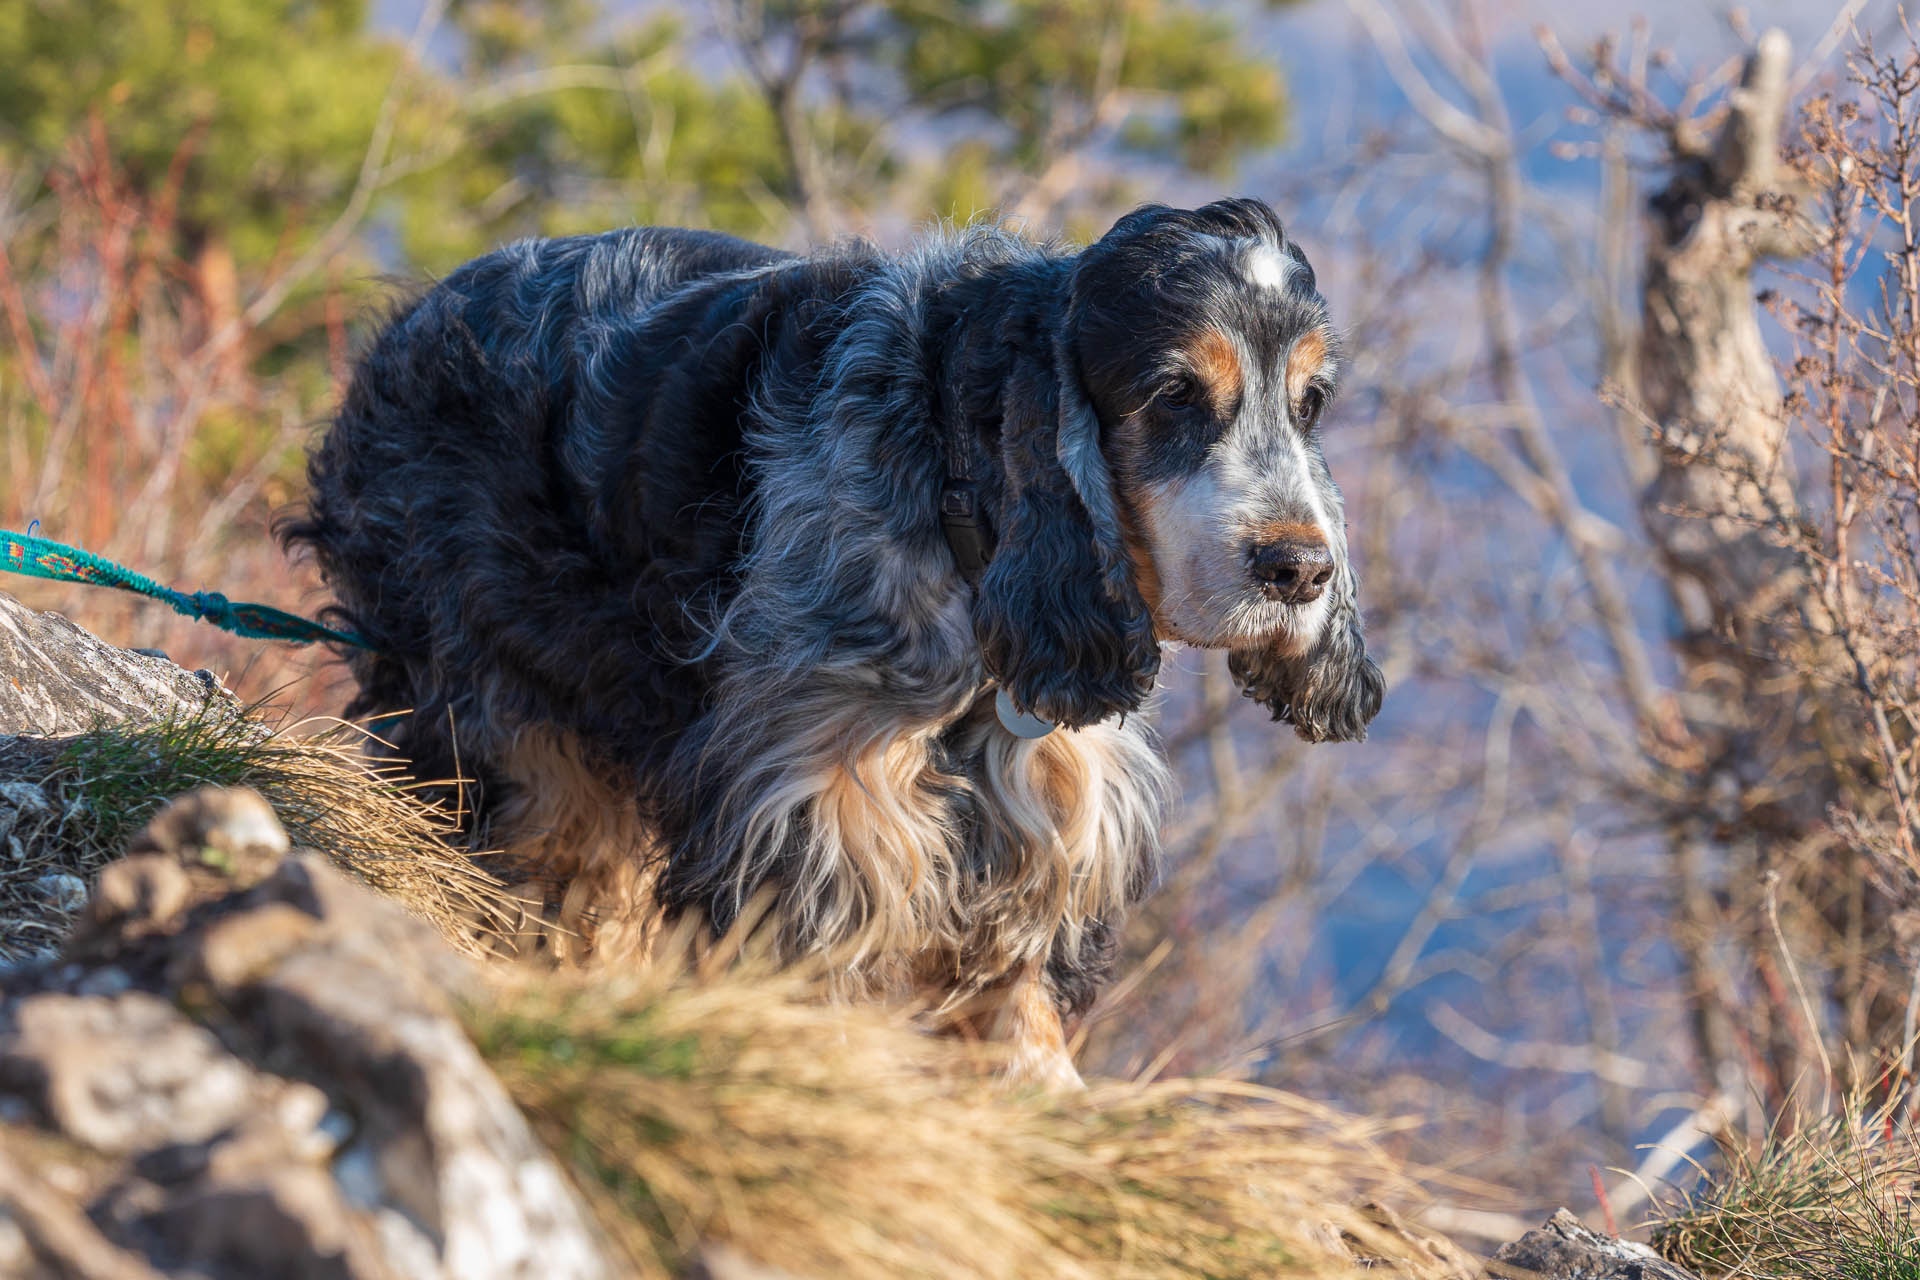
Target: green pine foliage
<point>1174,71</point>
<point>540,117</point>
<point>269,103</point>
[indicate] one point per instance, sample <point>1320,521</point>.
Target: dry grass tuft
<point>822,1140</point>
<point>1830,1196</point>
<point>68,808</point>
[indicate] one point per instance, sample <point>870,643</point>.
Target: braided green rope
<point>41,558</point>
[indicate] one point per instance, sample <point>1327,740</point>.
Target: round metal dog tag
<point>1017,722</point>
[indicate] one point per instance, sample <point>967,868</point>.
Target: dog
<point>843,579</point>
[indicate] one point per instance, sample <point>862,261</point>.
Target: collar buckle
<point>965,526</point>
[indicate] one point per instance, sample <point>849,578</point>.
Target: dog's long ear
<point>1058,617</point>
<point>1331,692</point>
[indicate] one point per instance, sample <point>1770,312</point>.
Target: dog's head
<point>1191,362</point>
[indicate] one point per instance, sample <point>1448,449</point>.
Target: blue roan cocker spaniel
<point>717,568</point>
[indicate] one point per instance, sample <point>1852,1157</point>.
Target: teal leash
<point>41,558</point>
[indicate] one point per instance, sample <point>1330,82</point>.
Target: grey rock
<point>63,891</point>
<point>222,826</point>
<point>121,1073</point>
<point>263,1058</point>
<point>1565,1249</point>
<point>44,1234</point>
<point>63,681</point>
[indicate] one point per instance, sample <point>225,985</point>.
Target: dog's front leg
<point>1028,1023</point>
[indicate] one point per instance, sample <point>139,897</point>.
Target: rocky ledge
<point>1565,1249</point>
<point>244,1065</point>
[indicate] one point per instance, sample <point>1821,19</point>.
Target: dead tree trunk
<point>1767,740</point>
<point>1707,381</point>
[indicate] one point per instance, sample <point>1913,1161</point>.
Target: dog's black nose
<point>1293,570</point>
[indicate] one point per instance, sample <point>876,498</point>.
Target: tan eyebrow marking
<point>1288,531</point>
<point>1216,363</point>
<point>1307,357</point>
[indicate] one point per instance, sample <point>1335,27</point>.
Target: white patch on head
<point>1268,267</point>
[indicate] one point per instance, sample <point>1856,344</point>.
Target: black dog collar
<point>966,528</point>
<point>961,517</point>
<point>971,541</point>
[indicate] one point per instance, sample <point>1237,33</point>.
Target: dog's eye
<point>1183,393</point>
<point>1306,414</point>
